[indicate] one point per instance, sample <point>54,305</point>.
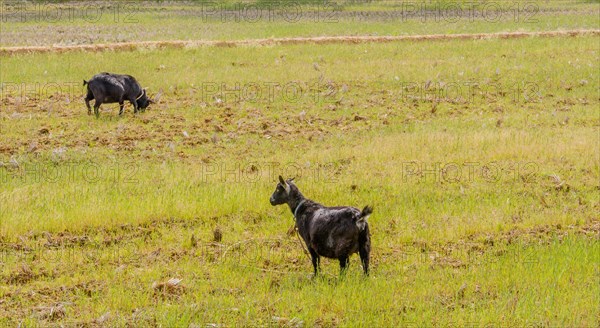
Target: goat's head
<point>282,192</point>
<point>144,101</point>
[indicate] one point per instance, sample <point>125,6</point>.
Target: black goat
<point>111,88</point>
<point>333,232</point>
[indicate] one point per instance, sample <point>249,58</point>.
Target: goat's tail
<point>85,82</point>
<point>366,212</point>
<point>361,223</point>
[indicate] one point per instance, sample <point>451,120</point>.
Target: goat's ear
<point>291,179</point>
<point>285,185</point>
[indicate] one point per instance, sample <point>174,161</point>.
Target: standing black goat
<point>333,232</point>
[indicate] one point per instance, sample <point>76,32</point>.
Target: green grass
<point>528,146</point>
<point>500,286</point>
<point>94,212</point>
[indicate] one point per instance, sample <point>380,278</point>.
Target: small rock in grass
<point>50,312</point>
<point>171,287</point>
<point>103,318</point>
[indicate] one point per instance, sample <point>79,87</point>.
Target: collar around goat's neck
<point>140,96</point>
<point>297,207</point>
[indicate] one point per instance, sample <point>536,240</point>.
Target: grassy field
<point>125,21</point>
<point>481,158</point>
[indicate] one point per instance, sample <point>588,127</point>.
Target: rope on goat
<point>297,230</point>
<point>301,243</point>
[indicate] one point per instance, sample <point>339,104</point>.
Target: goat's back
<point>334,231</point>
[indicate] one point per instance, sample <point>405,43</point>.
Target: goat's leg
<point>89,96</point>
<point>363,251</point>
<point>364,248</point>
<point>97,108</point>
<point>316,259</point>
<point>344,263</point>
<point>87,104</point>
<point>135,105</point>
<point>121,105</point>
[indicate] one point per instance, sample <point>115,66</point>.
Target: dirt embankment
<point>285,41</point>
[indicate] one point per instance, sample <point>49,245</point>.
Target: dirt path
<point>285,41</point>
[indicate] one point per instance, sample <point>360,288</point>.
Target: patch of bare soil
<point>131,46</point>
<point>52,302</point>
<point>22,275</point>
<point>162,131</point>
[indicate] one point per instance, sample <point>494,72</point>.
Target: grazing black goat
<point>333,232</point>
<point>111,88</point>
